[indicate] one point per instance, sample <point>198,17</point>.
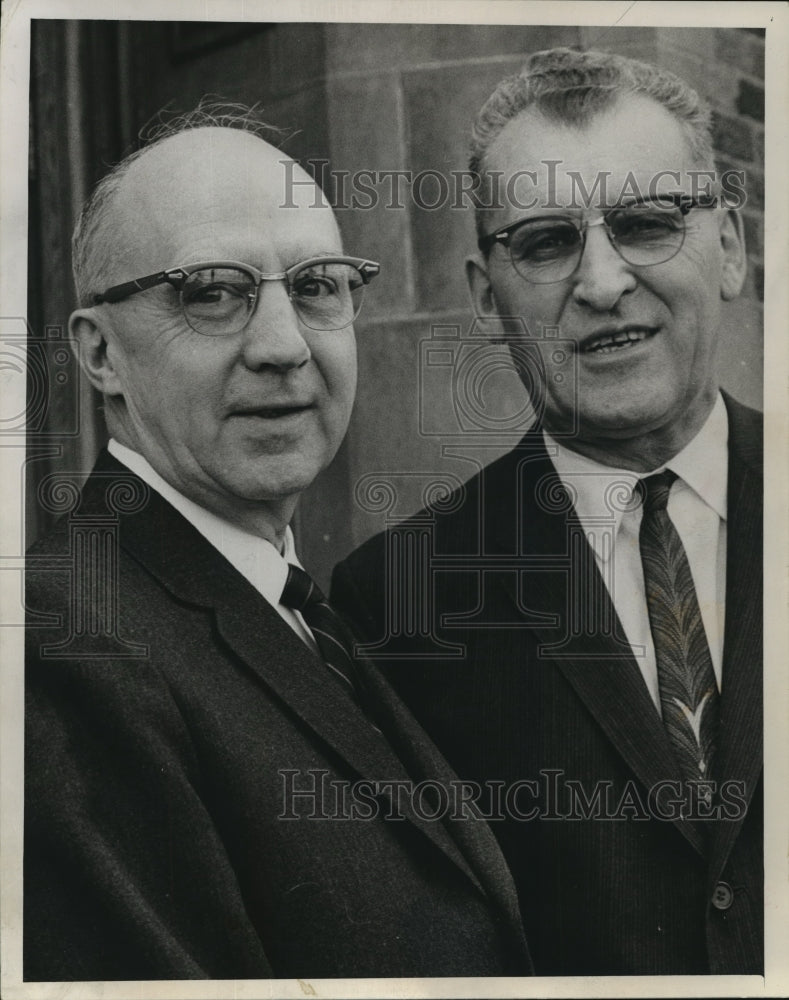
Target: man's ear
<point>88,336</point>
<point>734,263</point>
<point>483,300</point>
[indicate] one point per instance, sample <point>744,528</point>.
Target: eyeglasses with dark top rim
<point>547,249</point>
<point>219,297</point>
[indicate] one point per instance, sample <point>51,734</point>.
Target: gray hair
<point>91,242</point>
<point>568,86</point>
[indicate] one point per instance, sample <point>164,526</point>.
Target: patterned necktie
<point>688,690</point>
<point>332,635</point>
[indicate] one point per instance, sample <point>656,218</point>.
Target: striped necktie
<point>688,690</point>
<point>332,635</point>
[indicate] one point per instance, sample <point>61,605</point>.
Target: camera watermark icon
<point>493,381</point>
<point>40,376</point>
<point>457,390</point>
<point>40,389</point>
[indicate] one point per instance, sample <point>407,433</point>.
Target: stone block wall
<point>395,97</point>
<point>402,98</point>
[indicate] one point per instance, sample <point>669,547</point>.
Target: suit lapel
<point>609,683</point>
<point>284,664</point>
<point>587,642</point>
<point>192,570</point>
<point>741,737</point>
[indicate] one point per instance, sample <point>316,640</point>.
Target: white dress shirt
<point>611,519</point>
<point>254,557</point>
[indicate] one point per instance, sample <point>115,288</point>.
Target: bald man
<point>213,789</point>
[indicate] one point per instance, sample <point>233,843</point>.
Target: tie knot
<point>655,490</point>
<point>300,590</point>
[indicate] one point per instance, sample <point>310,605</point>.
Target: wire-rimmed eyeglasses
<point>549,248</point>
<point>218,297</point>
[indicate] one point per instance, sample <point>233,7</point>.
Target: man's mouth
<point>611,341</point>
<point>274,412</point>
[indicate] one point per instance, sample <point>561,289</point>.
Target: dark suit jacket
<point>542,681</point>
<point>165,697</point>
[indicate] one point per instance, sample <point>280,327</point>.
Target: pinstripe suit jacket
<point>540,687</point>
<point>169,712</point>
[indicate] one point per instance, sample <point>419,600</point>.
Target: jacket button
<point>722,896</point>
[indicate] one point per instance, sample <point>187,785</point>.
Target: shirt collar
<point>704,462</point>
<point>603,493</point>
<point>254,557</point>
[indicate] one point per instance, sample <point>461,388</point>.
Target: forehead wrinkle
<point>649,146</point>
<point>654,141</point>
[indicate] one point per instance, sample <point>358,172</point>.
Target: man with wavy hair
<point>603,581</point>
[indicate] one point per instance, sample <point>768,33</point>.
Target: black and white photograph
<point>385,393</point>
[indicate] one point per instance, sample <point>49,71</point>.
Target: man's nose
<point>602,276</point>
<point>273,336</point>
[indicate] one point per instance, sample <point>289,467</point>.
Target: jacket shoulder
<point>452,513</point>
<point>746,433</point>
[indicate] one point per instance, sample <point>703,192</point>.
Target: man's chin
<point>267,485</point>
<point>629,416</point>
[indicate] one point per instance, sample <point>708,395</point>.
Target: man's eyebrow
<point>669,199</point>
